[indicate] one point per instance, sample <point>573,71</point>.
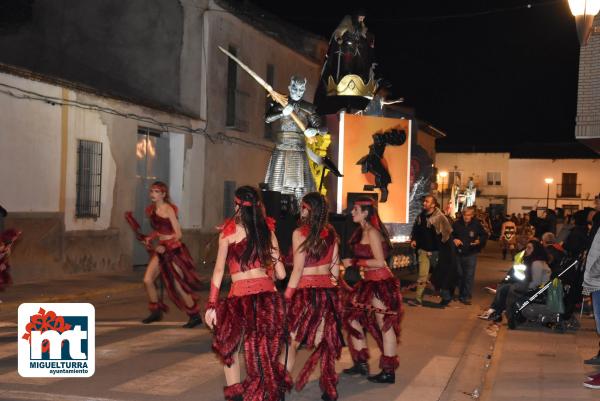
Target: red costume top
<point>314,260</point>
<point>363,252</point>
<point>326,257</point>
<point>234,262</point>
<point>234,258</point>
<point>162,226</point>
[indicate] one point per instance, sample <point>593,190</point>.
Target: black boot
<point>194,321</point>
<point>383,377</point>
<point>359,368</point>
<point>155,316</point>
<point>325,397</point>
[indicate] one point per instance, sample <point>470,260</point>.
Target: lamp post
<point>443,174</point>
<point>548,181</point>
<point>584,12</point>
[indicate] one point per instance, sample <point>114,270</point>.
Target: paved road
<point>442,356</point>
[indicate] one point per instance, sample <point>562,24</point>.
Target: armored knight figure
<point>289,171</point>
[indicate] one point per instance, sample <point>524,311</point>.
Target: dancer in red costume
<point>375,305</point>
<point>314,306</point>
<point>170,259</point>
<point>252,314</point>
<point>7,239</point>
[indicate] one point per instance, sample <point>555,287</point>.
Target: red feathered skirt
<point>359,307</point>
<point>177,254</point>
<point>308,307</point>
<point>5,277</point>
<point>256,322</point>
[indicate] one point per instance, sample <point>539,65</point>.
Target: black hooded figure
<point>350,52</point>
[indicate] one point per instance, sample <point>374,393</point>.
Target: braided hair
<point>252,217</point>
<point>316,221</point>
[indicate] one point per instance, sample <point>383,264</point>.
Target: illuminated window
<point>89,179</point>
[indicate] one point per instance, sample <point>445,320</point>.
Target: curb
<point>490,376</point>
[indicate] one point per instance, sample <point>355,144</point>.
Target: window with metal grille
<point>228,195</point>
<point>270,79</point>
<point>89,179</point>
<point>231,89</point>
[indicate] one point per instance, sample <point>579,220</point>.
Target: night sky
<point>485,72</point>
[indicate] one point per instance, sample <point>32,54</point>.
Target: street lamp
<point>548,181</point>
<point>584,12</point>
<point>443,174</point>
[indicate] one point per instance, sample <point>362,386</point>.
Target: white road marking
<point>176,379</point>
<point>33,395</point>
<point>431,381</point>
<point>117,351</point>
<point>10,349</point>
<point>138,323</point>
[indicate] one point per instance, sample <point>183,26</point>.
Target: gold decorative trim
<point>350,85</point>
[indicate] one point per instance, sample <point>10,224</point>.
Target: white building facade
<point>75,158</point>
<point>518,185</point>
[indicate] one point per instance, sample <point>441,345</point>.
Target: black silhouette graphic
<point>372,163</point>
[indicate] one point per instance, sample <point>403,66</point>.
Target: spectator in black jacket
<point>430,231</point>
<point>469,237</point>
<point>577,240</point>
<point>575,245</point>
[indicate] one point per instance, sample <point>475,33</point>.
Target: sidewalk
<point>537,364</point>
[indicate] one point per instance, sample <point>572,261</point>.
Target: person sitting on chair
<point>536,273</point>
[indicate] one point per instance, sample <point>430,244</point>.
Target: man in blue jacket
<point>469,237</point>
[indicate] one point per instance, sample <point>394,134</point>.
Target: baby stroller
<point>546,305</point>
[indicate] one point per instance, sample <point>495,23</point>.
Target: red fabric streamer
<point>388,363</point>
<point>308,307</point>
<point>235,392</point>
<point>388,292</point>
<point>256,322</point>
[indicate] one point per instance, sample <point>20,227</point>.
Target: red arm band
<point>289,293</point>
<point>362,263</point>
<point>213,296</point>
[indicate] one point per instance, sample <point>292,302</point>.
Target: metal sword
<point>278,97</point>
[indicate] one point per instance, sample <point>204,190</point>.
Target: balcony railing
<point>568,190</point>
